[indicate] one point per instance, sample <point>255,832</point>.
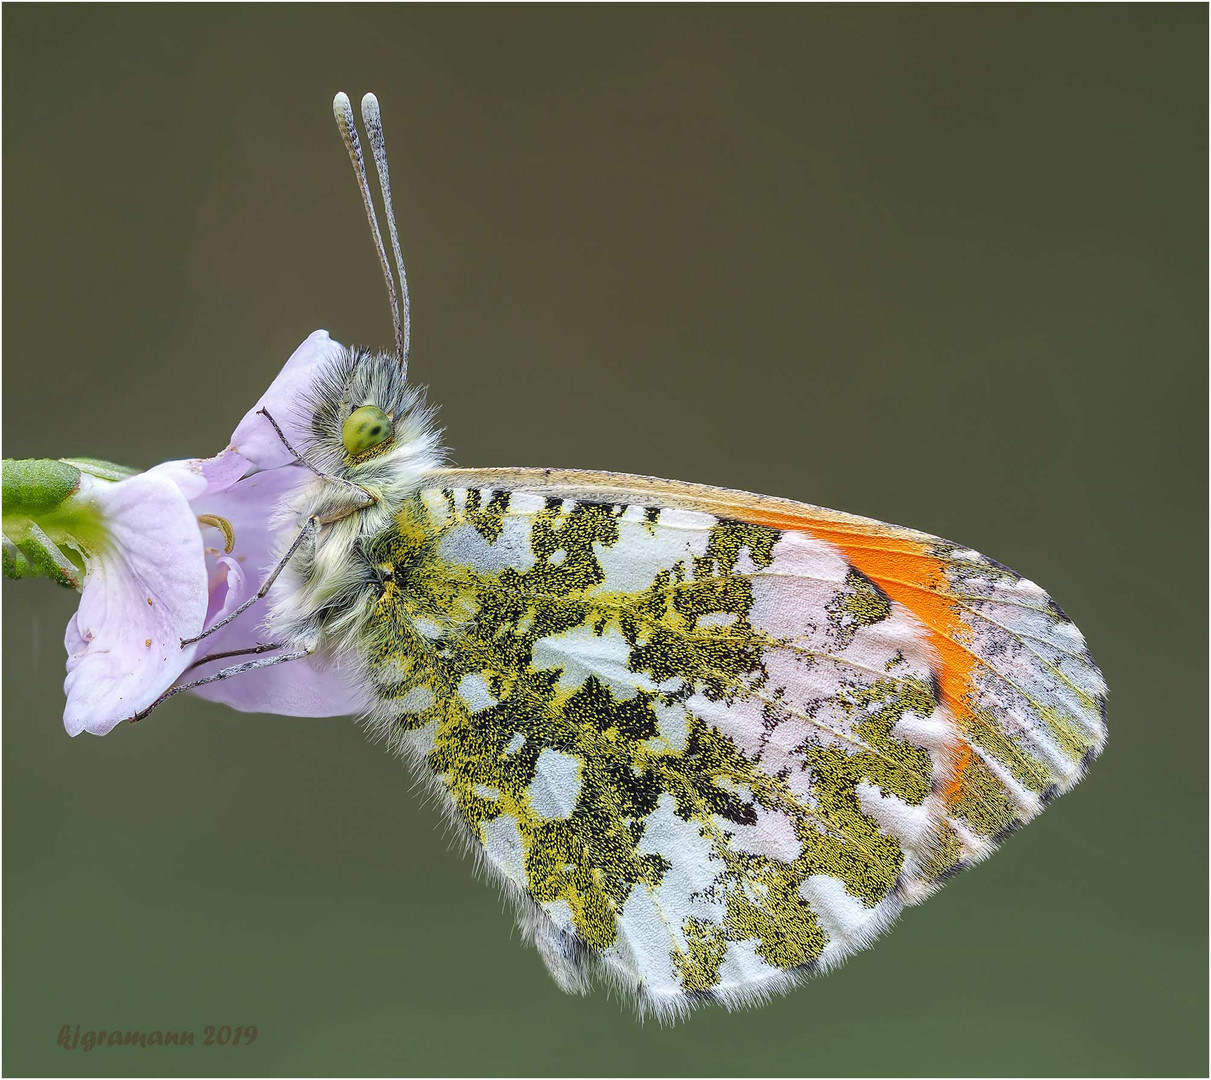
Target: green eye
<point>365,429</point>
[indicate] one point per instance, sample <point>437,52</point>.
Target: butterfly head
<point>367,423</point>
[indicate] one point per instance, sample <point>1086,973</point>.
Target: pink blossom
<point>156,574</point>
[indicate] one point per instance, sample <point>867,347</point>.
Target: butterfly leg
<point>362,495</point>
<point>219,676</point>
<point>308,531</point>
<point>252,649</point>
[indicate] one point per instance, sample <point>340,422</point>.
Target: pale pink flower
<point>156,575</point>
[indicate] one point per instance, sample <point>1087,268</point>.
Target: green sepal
<point>46,530</point>
<point>34,486</point>
<point>37,555</point>
<point>16,565</point>
<point>102,470</point>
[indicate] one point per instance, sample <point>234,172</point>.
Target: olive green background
<point>942,266</point>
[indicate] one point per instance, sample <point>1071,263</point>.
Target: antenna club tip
<point>370,102</point>
<point>340,103</point>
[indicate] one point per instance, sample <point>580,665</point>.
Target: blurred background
<point>942,266</point>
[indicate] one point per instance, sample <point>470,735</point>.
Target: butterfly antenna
<point>343,112</point>
<point>373,120</point>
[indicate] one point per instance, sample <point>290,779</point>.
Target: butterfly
<point>708,742</point>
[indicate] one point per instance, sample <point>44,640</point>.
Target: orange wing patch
<point>982,697</point>
<point>906,571</point>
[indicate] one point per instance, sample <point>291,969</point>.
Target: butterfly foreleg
<point>220,676</point>
<point>362,495</point>
<point>251,650</point>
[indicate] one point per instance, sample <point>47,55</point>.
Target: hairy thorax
<point>354,498</point>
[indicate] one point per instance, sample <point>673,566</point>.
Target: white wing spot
<point>717,618</point>
<point>416,700</point>
<point>556,785</point>
<point>427,628</point>
<point>474,692</point>
<point>503,842</point>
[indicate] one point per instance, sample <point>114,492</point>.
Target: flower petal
<point>255,438</point>
<point>311,687</point>
<point>201,476</point>
<point>227,588</point>
<point>144,590</point>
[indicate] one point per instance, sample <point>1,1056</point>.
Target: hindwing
<point>712,741</point>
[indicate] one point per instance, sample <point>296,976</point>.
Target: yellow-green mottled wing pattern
<point>712,742</point>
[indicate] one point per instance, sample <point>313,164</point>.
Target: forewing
<point>713,741</point>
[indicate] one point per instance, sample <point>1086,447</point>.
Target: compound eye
<point>365,429</point>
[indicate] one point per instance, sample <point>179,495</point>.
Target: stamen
<point>223,525</point>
